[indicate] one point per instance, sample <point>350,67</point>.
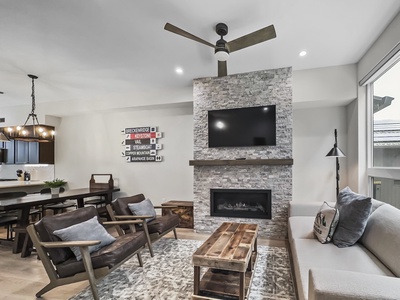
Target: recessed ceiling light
<point>303,53</point>
<point>179,70</point>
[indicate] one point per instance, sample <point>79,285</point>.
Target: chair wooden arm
<point>165,206</point>
<point>130,217</point>
<point>127,222</point>
<point>63,244</point>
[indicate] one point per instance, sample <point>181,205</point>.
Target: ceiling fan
<point>222,47</point>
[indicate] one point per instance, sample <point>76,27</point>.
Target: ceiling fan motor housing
<point>221,29</point>
<point>222,51</point>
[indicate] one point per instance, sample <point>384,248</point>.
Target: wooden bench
<point>230,254</point>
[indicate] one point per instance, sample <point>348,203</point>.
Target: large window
<point>384,154</point>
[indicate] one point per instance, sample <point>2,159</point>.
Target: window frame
<point>377,172</point>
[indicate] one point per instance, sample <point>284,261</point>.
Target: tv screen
<point>242,127</point>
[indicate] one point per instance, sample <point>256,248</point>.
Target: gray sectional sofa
<point>367,270</point>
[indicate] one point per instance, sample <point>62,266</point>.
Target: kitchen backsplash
<point>38,172</point>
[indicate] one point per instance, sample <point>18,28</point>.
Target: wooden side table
<point>184,210</point>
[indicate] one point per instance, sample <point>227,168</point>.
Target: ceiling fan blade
<point>253,38</point>
<point>222,69</point>
<point>186,34</point>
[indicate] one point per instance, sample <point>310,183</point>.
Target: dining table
<point>25,203</point>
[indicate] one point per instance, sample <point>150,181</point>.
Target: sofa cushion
<point>162,224</point>
<point>309,253</point>
<point>301,227</point>
<point>143,208</point>
<point>108,256</point>
<point>325,223</point>
<point>330,284</point>
<point>381,236</point>
<point>354,210</point>
<point>86,231</point>
<point>48,224</point>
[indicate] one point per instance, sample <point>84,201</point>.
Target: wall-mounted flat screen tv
<point>242,127</point>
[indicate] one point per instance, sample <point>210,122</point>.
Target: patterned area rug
<point>169,275</point>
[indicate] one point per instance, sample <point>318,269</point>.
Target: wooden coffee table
<point>230,254</point>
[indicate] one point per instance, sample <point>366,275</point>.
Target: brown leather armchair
<point>61,264</point>
<point>158,227</point>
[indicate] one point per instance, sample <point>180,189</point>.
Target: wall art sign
<point>141,144</point>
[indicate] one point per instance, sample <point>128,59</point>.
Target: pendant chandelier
<point>32,133</point>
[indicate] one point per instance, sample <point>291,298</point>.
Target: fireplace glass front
<point>241,203</point>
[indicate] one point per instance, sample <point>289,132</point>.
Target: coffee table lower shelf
<point>221,284</point>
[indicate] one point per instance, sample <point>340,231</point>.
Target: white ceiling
<point>105,51</point>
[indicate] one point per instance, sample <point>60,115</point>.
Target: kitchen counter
<point>17,183</point>
<point>32,186</point>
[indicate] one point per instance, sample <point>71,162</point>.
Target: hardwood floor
<point>21,278</point>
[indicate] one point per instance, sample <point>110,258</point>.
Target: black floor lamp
<point>336,152</point>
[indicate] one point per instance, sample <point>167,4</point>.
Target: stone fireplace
<point>264,167</point>
<point>240,203</point>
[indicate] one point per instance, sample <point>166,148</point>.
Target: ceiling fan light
<point>221,54</point>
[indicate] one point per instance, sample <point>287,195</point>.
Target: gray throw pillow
<point>325,223</point>
<point>354,210</point>
<point>90,230</point>
<point>143,208</point>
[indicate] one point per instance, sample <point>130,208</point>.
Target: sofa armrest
<point>308,209</point>
<point>328,284</point>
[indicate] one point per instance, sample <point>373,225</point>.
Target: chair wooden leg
<point>140,259</point>
<point>9,232</point>
<point>146,231</point>
<point>47,288</point>
<point>176,236</point>
<point>87,261</point>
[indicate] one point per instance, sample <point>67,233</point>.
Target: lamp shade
<point>336,152</point>
<point>221,54</point>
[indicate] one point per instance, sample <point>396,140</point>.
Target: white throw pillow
<point>325,223</point>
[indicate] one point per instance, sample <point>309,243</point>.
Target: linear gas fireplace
<point>241,203</point>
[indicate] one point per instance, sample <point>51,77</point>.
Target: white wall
<point>314,174</point>
<point>321,87</point>
<point>320,99</point>
<point>91,143</point>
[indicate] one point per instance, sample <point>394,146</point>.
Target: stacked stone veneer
<point>244,90</point>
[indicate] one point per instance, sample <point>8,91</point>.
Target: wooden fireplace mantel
<point>240,162</point>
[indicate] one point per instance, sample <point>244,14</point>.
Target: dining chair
<point>10,218</point>
<point>8,221</point>
<point>57,207</point>
<point>99,202</point>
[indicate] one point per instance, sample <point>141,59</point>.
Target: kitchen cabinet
<point>22,152</point>
<point>10,152</point>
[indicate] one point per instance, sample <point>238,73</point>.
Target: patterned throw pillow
<point>325,223</point>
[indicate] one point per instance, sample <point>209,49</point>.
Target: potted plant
<point>55,185</point>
